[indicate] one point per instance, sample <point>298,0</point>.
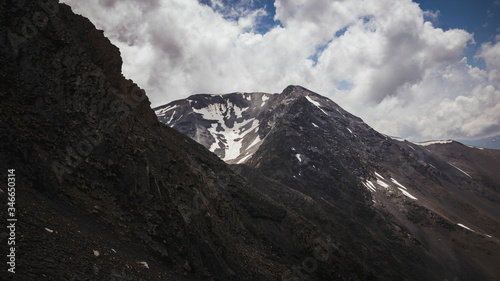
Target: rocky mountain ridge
<point>232,125</point>
<point>329,164</point>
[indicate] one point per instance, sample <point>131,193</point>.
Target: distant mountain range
<point>491,142</point>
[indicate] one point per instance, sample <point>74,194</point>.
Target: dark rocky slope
<point>106,192</point>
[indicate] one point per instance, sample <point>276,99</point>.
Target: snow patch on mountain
<point>407,194</point>
<point>162,111</point>
<point>396,138</point>
<point>220,111</point>
<point>475,147</point>
<point>234,136</point>
<point>382,183</point>
<point>460,170</point>
<point>426,143</point>
<point>256,141</point>
<point>370,186</point>
<point>380,180</point>
<point>229,136</point>
<point>398,184</point>
<point>317,104</point>
<point>379,176</point>
<point>245,158</point>
<point>466,227</point>
<point>264,99</point>
<point>298,156</point>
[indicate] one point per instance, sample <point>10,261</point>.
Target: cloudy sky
<point>421,70</point>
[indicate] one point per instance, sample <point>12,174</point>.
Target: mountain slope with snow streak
<point>307,153</point>
<point>228,125</point>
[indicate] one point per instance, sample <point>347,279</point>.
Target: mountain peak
<point>296,91</point>
<point>233,126</point>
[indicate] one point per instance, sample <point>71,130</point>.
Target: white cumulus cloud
<point>491,54</point>
<point>381,60</point>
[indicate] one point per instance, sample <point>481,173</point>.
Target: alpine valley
<point>242,186</point>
